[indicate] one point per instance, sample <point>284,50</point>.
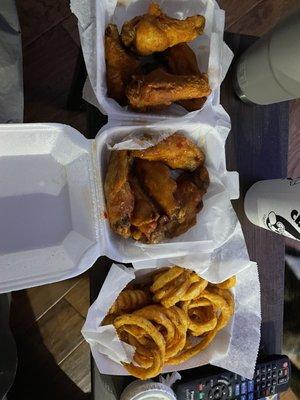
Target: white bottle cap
<point>147,390</point>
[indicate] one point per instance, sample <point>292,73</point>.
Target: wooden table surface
<point>257,149</point>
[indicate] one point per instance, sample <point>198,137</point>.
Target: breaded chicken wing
<point>118,193</point>
<point>182,61</point>
<point>177,151</point>
<point>154,31</point>
<point>155,177</point>
<point>160,89</point>
<point>201,178</point>
<point>145,214</point>
<point>120,65</point>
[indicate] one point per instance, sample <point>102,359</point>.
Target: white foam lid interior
<point>47,228</point>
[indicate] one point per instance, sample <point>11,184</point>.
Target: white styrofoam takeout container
<point>52,207</point>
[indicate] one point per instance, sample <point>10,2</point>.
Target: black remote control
<point>271,376</point>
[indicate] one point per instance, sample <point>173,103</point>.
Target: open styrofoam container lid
<point>47,229</point>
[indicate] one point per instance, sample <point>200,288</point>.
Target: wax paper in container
<point>213,55</point>
<point>234,347</point>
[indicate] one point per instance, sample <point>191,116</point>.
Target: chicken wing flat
<point>155,177</point>
<point>118,193</point>
<point>145,214</point>
<point>160,89</point>
<point>177,151</point>
<point>154,31</point>
<point>182,61</point>
<point>190,197</point>
<point>120,65</point>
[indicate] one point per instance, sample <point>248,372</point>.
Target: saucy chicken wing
<point>182,61</point>
<point>145,214</point>
<point>118,193</point>
<point>190,198</point>
<point>177,151</point>
<point>155,177</point>
<point>154,31</point>
<point>120,65</point>
<point>160,89</point>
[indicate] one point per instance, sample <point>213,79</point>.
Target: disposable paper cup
<point>275,205</point>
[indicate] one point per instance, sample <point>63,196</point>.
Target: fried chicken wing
<point>118,193</point>
<point>190,197</point>
<point>160,89</point>
<point>119,65</point>
<point>182,61</point>
<point>154,31</point>
<point>201,178</point>
<point>156,179</point>
<point>177,151</point>
<point>145,214</point>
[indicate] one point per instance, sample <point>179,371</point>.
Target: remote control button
<point>274,374</point>
<point>273,389</point>
<point>285,365</point>
<point>263,385</point>
<point>257,372</point>
<point>269,368</point>
<point>263,369</point>
<point>225,391</point>
<point>210,395</point>
<point>269,384</point>
<point>244,387</point>
<point>274,366</point>
<point>286,371</point>
<point>250,386</point>
<point>280,373</point>
<point>237,389</point>
<point>268,375</point>
<point>243,397</point>
<point>250,396</point>
<point>263,377</point>
<point>217,394</point>
<point>282,380</point>
<point>200,387</point>
<point>201,396</point>
<point>274,382</point>
<point>257,379</point>
<point>235,377</point>
<point>211,383</point>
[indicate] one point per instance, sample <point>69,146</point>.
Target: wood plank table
<point>257,149</point>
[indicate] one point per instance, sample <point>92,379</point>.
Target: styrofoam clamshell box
<point>52,207</point>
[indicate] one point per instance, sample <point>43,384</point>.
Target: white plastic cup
<point>275,205</point>
<point>147,390</point>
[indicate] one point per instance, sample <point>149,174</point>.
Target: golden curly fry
<point>130,300</point>
<point>195,289</point>
<point>179,319</point>
<point>202,320</point>
<point>155,313</point>
<point>165,278</point>
<point>228,284</point>
<point>158,352</point>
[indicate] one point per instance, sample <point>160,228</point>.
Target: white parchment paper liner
<point>213,55</point>
<point>234,348</point>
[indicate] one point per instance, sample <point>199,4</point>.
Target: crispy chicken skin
<point>145,214</point>
<point>120,65</point>
<point>155,177</point>
<point>118,193</point>
<point>201,178</point>
<point>190,198</point>
<point>182,61</point>
<point>160,89</point>
<point>155,32</point>
<point>177,151</point>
